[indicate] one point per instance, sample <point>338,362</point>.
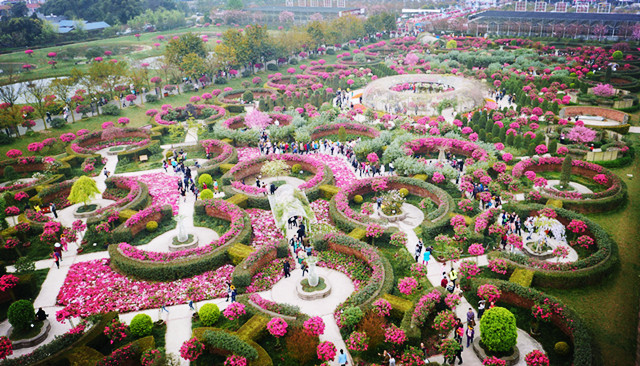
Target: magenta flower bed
<point>93,287</point>
<point>232,123</point>
<point>163,189</point>
<point>227,150</point>
<point>434,143</point>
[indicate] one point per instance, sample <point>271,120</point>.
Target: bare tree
<point>35,93</point>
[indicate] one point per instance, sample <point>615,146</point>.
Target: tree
<point>36,92</point>
<point>188,43</point>
<point>19,10</point>
<point>83,190</point>
<point>107,75</point>
<point>21,314</point>
<point>581,134</point>
<point>565,174</point>
<point>193,65</point>
<point>286,17</point>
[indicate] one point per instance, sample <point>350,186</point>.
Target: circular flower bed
<point>293,82</point>
<point>590,269</point>
<point>170,116</point>
<point>167,266</point>
<point>91,142</point>
<point>347,219</point>
<point>321,174</point>
<point>234,96</point>
<point>611,198</point>
<point>220,151</point>
<point>348,60</point>
<point>350,129</point>
<point>331,70</point>
<point>238,122</point>
<point>434,144</point>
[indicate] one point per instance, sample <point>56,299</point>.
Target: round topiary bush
<point>403,192</point>
<point>357,198</point>
<point>205,179</point>
<point>498,330</point>
<point>209,314</point>
<point>141,325</point>
<point>152,226</point>
<point>168,154</point>
<point>352,316</point>
<point>21,314</point>
<point>206,194</point>
<point>296,168</point>
<point>562,348</point>
<point>247,96</point>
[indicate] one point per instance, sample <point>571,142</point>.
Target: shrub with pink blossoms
<point>536,358</point>
<point>235,360</point>
<point>541,149</point>
<point>489,292</point>
<point>407,285</point>
<point>357,341</point>
<point>395,335</point>
<point>563,150</point>
<point>437,178</point>
<point>192,349</point>
<point>498,266</point>
<point>234,311</point>
<point>314,326</point>
<point>374,231</point>
<point>577,226</point>
<point>326,351</point>
<point>584,241</point>
<point>600,179</point>
<point>116,331</point>
<point>382,307</point>
<point>493,361</point>
<point>277,327</point>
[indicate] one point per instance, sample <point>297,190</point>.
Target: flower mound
<point>277,327</point>
<point>314,326</point>
<point>357,341</point>
<point>191,349</point>
<point>407,285</point>
<point>326,351</point>
<point>536,358</point>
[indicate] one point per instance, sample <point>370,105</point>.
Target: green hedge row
<point>181,268</point>
<point>588,270</point>
<point>567,321</point>
<point>242,273</point>
<point>123,233</point>
<point>224,340</point>
<point>56,352</point>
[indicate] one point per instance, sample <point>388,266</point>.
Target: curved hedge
<point>223,100</point>
<point>612,198</point>
<point>245,270</point>
<point>224,154</point>
<point>88,144</point>
<point>589,270</point>
<point>32,164</point>
<point>185,265</point>
<point>347,220</point>
<point>350,129</point>
<point>252,167</point>
<point>564,318</point>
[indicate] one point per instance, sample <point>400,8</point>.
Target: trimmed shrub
<point>21,314</point>
<point>247,96</point>
<point>152,226</point>
<point>522,277</point>
<point>205,179</point>
<point>206,194</point>
<point>272,67</point>
<point>357,198</point>
<point>111,110</point>
<point>498,330</point>
<point>58,122</point>
<point>296,168</point>
<point>10,173</point>
<point>151,98</point>
<point>219,339</point>
<point>352,316</point>
<point>141,325</point>
<point>209,314</point>
<point>562,348</point>
<point>403,192</point>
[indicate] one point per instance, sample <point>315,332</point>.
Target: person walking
<point>56,259</point>
<point>470,334</point>
<point>54,210</point>
<point>342,358</point>
<point>304,267</point>
<point>481,306</point>
<point>453,276</point>
<point>426,256</point>
<point>418,251</point>
<point>287,268</point>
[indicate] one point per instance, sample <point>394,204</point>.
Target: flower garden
<point>487,164</point>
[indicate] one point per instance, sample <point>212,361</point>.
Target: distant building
<point>66,26</point>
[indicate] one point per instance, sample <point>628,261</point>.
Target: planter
<point>83,215</point>
<point>191,243</point>
<point>480,352</point>
<point>393,218</point>
<point>315,295</point>
<point>31,342</point>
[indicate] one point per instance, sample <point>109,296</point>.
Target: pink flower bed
<point>247,153</point>
<point>265,231</point>
<point>163,189</point>
<point>227,149</point>
<point>433,143</point>
<point>93,287</point>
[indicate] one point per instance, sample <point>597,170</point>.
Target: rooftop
<point>298,9</point>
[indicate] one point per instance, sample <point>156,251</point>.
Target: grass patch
<point>306,288</point>
<point>589,183</point>
<point>87,208</point>
<point>189,240</point>
<point>126,166</point>
<point>218,225</point>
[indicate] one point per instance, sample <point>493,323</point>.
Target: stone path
<point>580,188</point>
